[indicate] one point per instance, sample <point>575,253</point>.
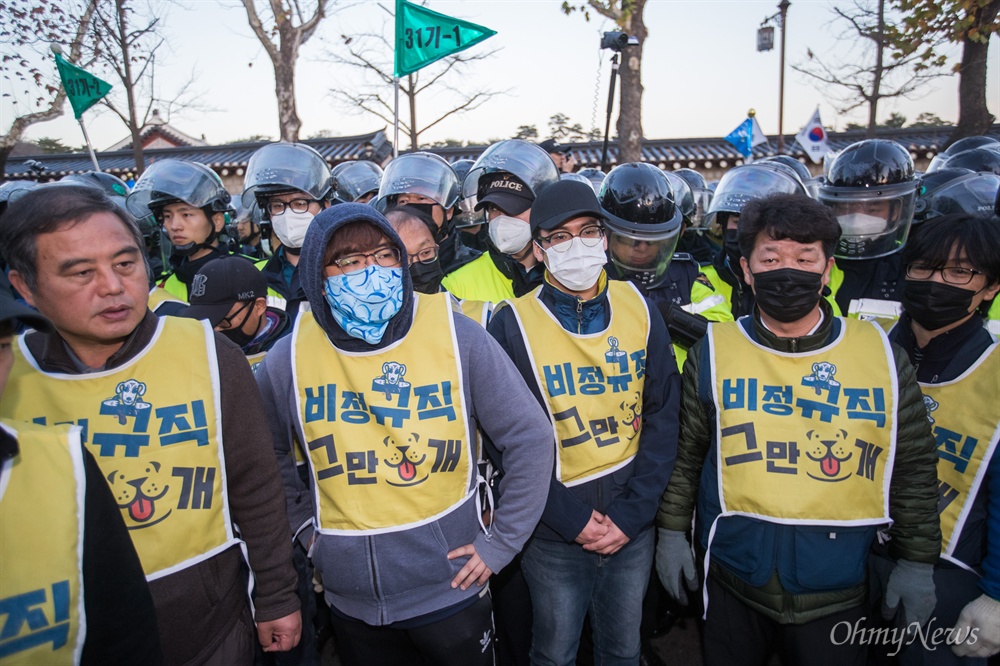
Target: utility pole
<point>783,10</point>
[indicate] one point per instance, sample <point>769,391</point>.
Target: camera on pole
<point>615,41</point>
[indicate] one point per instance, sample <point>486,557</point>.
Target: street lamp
<point>765,42</point>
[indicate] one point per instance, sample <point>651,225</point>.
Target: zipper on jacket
<point>375,583</point>
<point>579,316</point>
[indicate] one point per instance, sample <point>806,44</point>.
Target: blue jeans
<point>566,582</point>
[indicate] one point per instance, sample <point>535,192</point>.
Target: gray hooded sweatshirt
<point>399,576</point>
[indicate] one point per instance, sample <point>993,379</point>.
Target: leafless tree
<point>371,55</point>
<point>129,39</point>
<point>30,80</point>
<point>874,72</point>
<point>627,15</point>
<point>287,25</point>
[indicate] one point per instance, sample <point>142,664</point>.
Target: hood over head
<point>321,229</point>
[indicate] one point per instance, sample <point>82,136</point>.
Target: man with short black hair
<point>803,435</point>
<point>173,417</point>
<point>597,356</point>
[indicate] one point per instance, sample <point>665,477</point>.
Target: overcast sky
<point>701,72</point>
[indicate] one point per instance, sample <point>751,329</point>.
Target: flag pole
<point>93,156</point>
<point>395,123</point>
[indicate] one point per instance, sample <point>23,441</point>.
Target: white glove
<point>911,583</point>
<point>674,561</point>
<point>979,622</point>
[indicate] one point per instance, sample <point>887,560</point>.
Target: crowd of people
<point>502,411</point>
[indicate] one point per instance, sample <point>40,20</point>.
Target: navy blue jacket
<point>630,495</point>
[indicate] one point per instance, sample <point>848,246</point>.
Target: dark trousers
<point>738,635</point>
<point>464,639</point>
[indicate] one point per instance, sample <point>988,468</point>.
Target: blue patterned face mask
<point>363,302</point>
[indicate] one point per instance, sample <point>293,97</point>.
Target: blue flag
<point>742,138</point>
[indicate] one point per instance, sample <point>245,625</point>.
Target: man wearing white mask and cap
<point>506,179</point>
<point>596,354</point>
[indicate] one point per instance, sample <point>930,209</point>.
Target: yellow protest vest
<point>805,438</point>
<point>478,311</point>
<point>158,296</point>
<point>963,415</point>
<point>154,427</point>
<point>592,383</point>
<point>386,431</point>
<point>41,547</point>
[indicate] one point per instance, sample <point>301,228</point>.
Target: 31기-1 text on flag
<point>812,138</point>
<point>424,36</point>
<point>747,136</point>
<point>83,89</point>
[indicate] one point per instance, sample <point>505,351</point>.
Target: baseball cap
<point>553,146</point>
<point>562,201</point>
<point>219,285</point>
<point>11,309</point>
<point>505,191</point>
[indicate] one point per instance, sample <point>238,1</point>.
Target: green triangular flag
<point>424,36</point>
<point>83,89</point>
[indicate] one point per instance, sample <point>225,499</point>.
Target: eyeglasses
<point>425,256</point>
<point>227,322</point>
<point>559,241</point>
<point>297,206</point>
<point>386,257</point>
<point>950,274</point>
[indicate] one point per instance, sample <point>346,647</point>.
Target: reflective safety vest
<point>805,438</point>
<point>964,418</point>
<point>592,384</point>
<point>478,311</point>
<point>993,318</point>
<point>42,493</point>
<point>158,296</point>
<point>154,426</point>
<point>386,431</point>
<point>479,280</point>
<point>173,286</point>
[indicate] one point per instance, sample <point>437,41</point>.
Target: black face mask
<point>428,209</point>
<point>731,246</point>
<point>934,305</point>
<point>787,294</point>
<point>236,334</point>
<point>426,277</point>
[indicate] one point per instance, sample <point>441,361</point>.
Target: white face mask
<point>578,267</point>
<point>509,234</point>
<point>860,224</point>
<point>290,227</point>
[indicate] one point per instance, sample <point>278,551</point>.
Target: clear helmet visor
<point>873,222</point>
<point>353,180</point>
<point>702,201</point>
<point>425,174</point>
<point>743,184</point>
<point>528,162</point>
<point>644,257</point>
<point>467,215</point>
<point>284,167</point>
<point>938,162</point>
<point>975,194</point>
<point>176,180</point>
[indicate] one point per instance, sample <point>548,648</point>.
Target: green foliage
<point>253,138</point>
<point>927,119</point>
<point>927,22</point>
<point>895,121</point>
<point>49,145</point>
<point>445,143</point>
<point>526,132</point>
<point>560,129</point>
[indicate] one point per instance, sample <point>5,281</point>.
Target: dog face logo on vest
<point>127,402</point>
<point>831,452</point>
<point>821,378</point>
<point>632,419</point>
<point>405,459</point>
<point>138,494</point>
<point>931,406</point>
<point>391,381</point>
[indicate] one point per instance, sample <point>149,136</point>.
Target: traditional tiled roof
<point>923,143</point>
<point>710,153</point>
<point>223,159</point>
<point>159,131</point>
